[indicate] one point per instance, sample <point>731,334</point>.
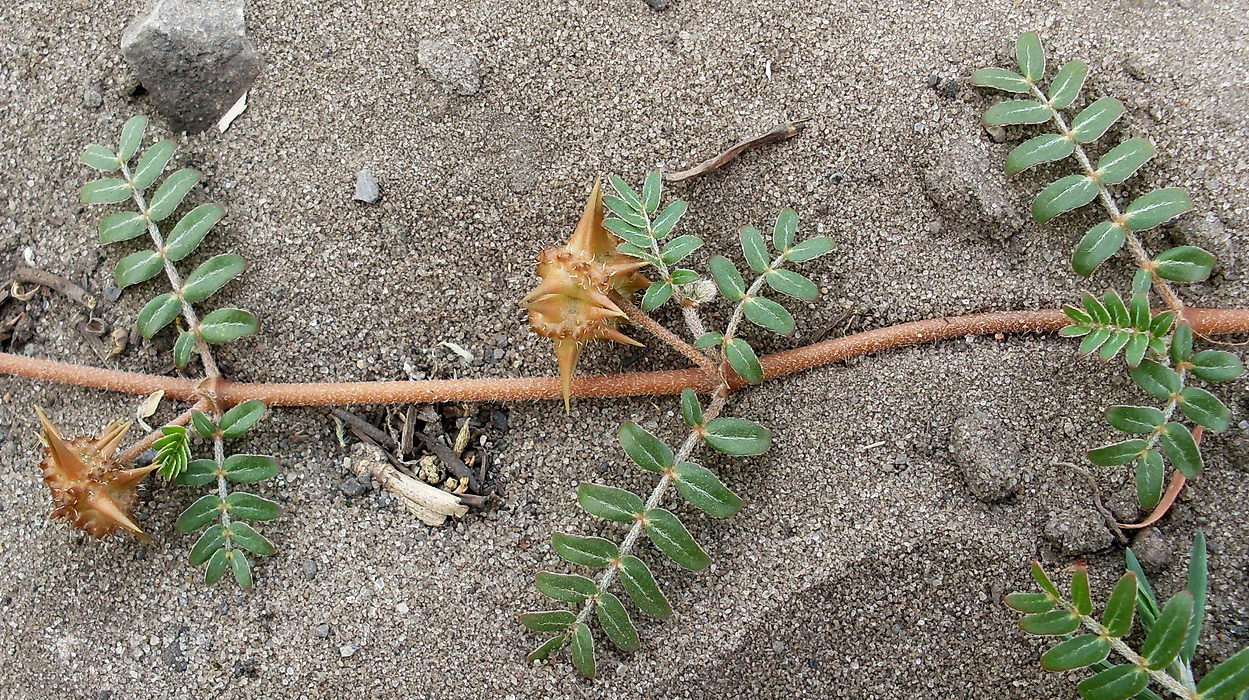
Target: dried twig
<point>780,133</point>
<point>430,505</point>
<point>31,275</point>
<point>1107,516</point>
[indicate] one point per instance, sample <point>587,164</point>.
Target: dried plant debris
<point>783,132</point>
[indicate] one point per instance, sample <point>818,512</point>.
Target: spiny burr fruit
<point>90,490</point>
<point>573,303</point>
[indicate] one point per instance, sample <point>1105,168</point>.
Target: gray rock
<point>194,58</point>
<point>1153,549</point>
<point>310,569</point>
<point>92,97</point>
<point>1078,529</point>
<point>322,631</point>
<point>956,182</point>
<point>366,187</point>
<point>450,64</point>
<point>659,5</point>
<point>988,457</point>
<point>353,488</point>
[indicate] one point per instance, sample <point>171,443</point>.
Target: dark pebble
<point>659,5</point>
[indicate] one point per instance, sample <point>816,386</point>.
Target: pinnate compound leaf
<point>109,190</point>
<point>1066,84</point>
<point>248,469</point>
<point>784,231</point>
<point>152,164</point>
<point>679,248</point>
<point>1117,453</point>
<point>1030,602</point>
<point>191,229</point>
<point>616,623</point>
<point>1216,365</point>
<point>586,551</point>
<point>667,532</point>
<point>241,568</point>
<point>792,284</point>
<point>1120,607</point>
<point>245,536</point>
<point>1101,242</point>
<point>1065,194</point>
<point>548,620</point>
<point>1154,208</point>
<point>211,275</point>
<point>1081,597</point>
<point>170,193</point>
<point>656,295</point>
<point>765,313</point>
<point>199,513</point>
<point>241,418</point>
<point>122,226</point>
<point>1158,380</point>
<point>207,544</point>
<point>1204,408</point>
<point>1149,474</point>
<point>1054,622</point>
<point>810,249</point>
<point>1137,420</point>
<point>1030,56</point>
<point>1184,263</point>
<point>637,581</point>
<point>704,491</point>
<point>1077,652</point>
<point>1166,637</point>
<point>158,313</point>
<point>217,566</point>
<point>1181,449</point>
<point>737,437</point>
<point>545,649</point>
<point>609,503</point>
<point>691,408</point>
<point>1045,148</point>
<point>728,280</point>
<point>582,649</point>
<point>646,450</point>
<point>182,349</point>
<point>567,588</point>
<point>668,218</point>
<point>131,137</point>
<point>755,249</point>
<point>251,507</point>
<point>1096,119</point>
<point>1000,79</point>
<point>101,158</point>
<point>1012,112</point>
<point>743,360</point>
<point>224,325</point>
<point>1227,680</point>
<point>1115,683</point>
<point>1122,161</point>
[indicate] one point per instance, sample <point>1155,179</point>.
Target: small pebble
<point>367,190</point>
<point>310,569</point>
<point>322,631</point>
<point>659,5</point>
<point>92,98</point>
<point>348,650</point>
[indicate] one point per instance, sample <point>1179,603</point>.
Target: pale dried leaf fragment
<point>429,504</point>
<point>228,118</point>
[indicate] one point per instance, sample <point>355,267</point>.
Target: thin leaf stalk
<point>740,310</point>
<point>689,308</point>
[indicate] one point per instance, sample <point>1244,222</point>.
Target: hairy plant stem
<point>1141,255</point>
<point>228,393</point>
<point>1163,678</point>
<point>642,320</point>
<point>689,308</point>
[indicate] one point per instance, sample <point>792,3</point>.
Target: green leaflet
<point>245,536</point>
<point>1043,580</point>
<point>1198,585</point>
<point>1081,598</point>
<point>1150,210</point>
<point>1117,453</point>
<point>784,231</point>
<point>1181,343</point>
<point>101,158</point>
<point>131,137</point>
<point>1169,631</point>
<point>652,188</point>
<point>545,649</point>
<point>1115,683</point>
<point>224,325</point>
<point>110,190</point>
<point>169,195</point>
<point>182,349</point>
<point>679,248</point>
<point>668,218</point>
<point>639,584</point>
<point>1030,602</point>
<point>566,588</point>
<point>203,425</point>
<point>585,551</point>
<point>122,226</point>
<point>657,294</point>
<point>1204,408</point>
<point>691,408</point>
<point>248,469</point>
<point>704,491</point>
<point>1096,119</point>
<point>190,230</point>
<point>609,503</point>
<point>728,280</point>
<point>548,620</point>
<point>1030,56</point>
<point>1065,87</point>
<point>1227,680</point>
<point>211,275</point>
<point>582,649</point>
<point>809,249</point>
<point>1013,112</point>
<point>1101,242</point>
<point>208,543</point>
<point>199,513</point>
<point>765,313</point>
<point>1137,420</point>
<point>1184,263</point>
<point>241,568</point>
<point>627,213</point>
<point>683,276</point>
<point>627,193</point>
<point>1045,148</point>
<point>1120,606</point>
<point>737,437</point>
<point>755,249</point>
<point>137,267</point>
<point>708,340</point>
<point>629,233</point>
<point>1063,195</point>
<point>646,450</point>
<point>1077,652</point>
<point>216,566</point>
<point>616,623</point>
<point>251,507</point>
<point>1052,623</point>
<point>152,164</point>
<point>198,473</point>
<point>1000,79</point>
<point>1216,365</point>
<point>742,359</point>
<point>667,532</point>
<point>158,313</point>
<point>1181,449</point>
<point>241,418</point>
<point>1149,474</point>
<point>1122,161</point>
<point>792,284</point>
<point>1158,380</point>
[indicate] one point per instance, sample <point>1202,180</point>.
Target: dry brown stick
<point>1206,321</point>
<point>43,278</point>
<point>780,133</point>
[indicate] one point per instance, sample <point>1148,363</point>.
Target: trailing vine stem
<point>1141,255</point>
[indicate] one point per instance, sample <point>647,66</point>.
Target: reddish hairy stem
<point>1204,321</point>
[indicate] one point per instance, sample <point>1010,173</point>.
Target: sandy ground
<point>861,566</point>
